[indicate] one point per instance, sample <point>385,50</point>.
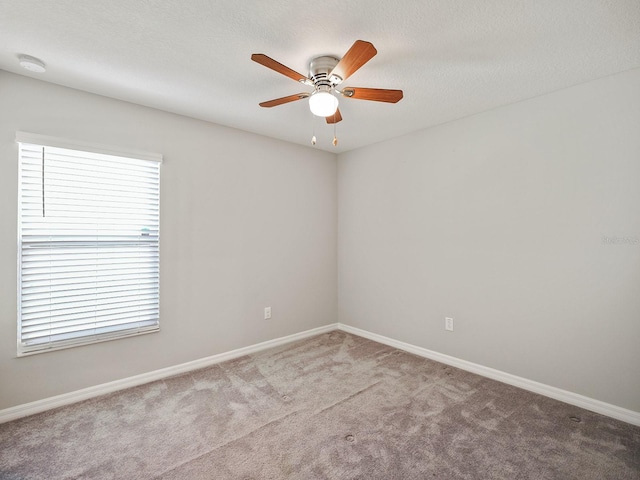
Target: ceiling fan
<point>326,73</point>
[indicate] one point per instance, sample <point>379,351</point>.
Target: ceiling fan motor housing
<point>320,69</point>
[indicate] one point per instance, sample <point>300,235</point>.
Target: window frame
<point>90,149</point>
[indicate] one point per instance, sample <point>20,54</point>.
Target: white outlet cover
<point>448,324</point>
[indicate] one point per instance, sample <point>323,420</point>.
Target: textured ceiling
<point>452,58</point>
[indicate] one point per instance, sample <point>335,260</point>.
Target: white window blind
<point>88,247</point>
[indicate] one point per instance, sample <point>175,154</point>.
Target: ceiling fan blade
<point>278,67</point>
<point>283,100</point>
<point>359,54</point>
<point>335,118</point>
<point>375,94</point>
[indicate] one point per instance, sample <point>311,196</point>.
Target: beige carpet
<point>335,406</point>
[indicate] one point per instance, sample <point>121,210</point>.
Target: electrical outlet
<point>448,324</point>
<point>267,313</point>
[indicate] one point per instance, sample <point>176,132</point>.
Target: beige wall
<point>498,220</point>
<point>246,222</point>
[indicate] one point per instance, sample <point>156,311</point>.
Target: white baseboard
<point>39,406</point>
<point>587,403</point>
<point>571,398</point>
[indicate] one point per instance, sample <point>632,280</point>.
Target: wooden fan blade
<point>375,94</point>
<point>359,54</point>
<point>335,118</point>
<point>278,67</point>
<point>280,101</point>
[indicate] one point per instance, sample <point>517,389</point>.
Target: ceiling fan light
<point>323,104</point>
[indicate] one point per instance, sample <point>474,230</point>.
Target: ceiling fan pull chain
<point>335,138</point>
<point>313,124</point>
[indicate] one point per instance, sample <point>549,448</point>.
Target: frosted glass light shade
<point>323,104</point>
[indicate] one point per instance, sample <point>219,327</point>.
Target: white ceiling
<point>452,58</point>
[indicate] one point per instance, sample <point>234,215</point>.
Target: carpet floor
<point>335,406</point>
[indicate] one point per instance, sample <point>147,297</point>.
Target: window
<point>88,244</point>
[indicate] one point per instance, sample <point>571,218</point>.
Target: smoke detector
<point>32,64</point>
